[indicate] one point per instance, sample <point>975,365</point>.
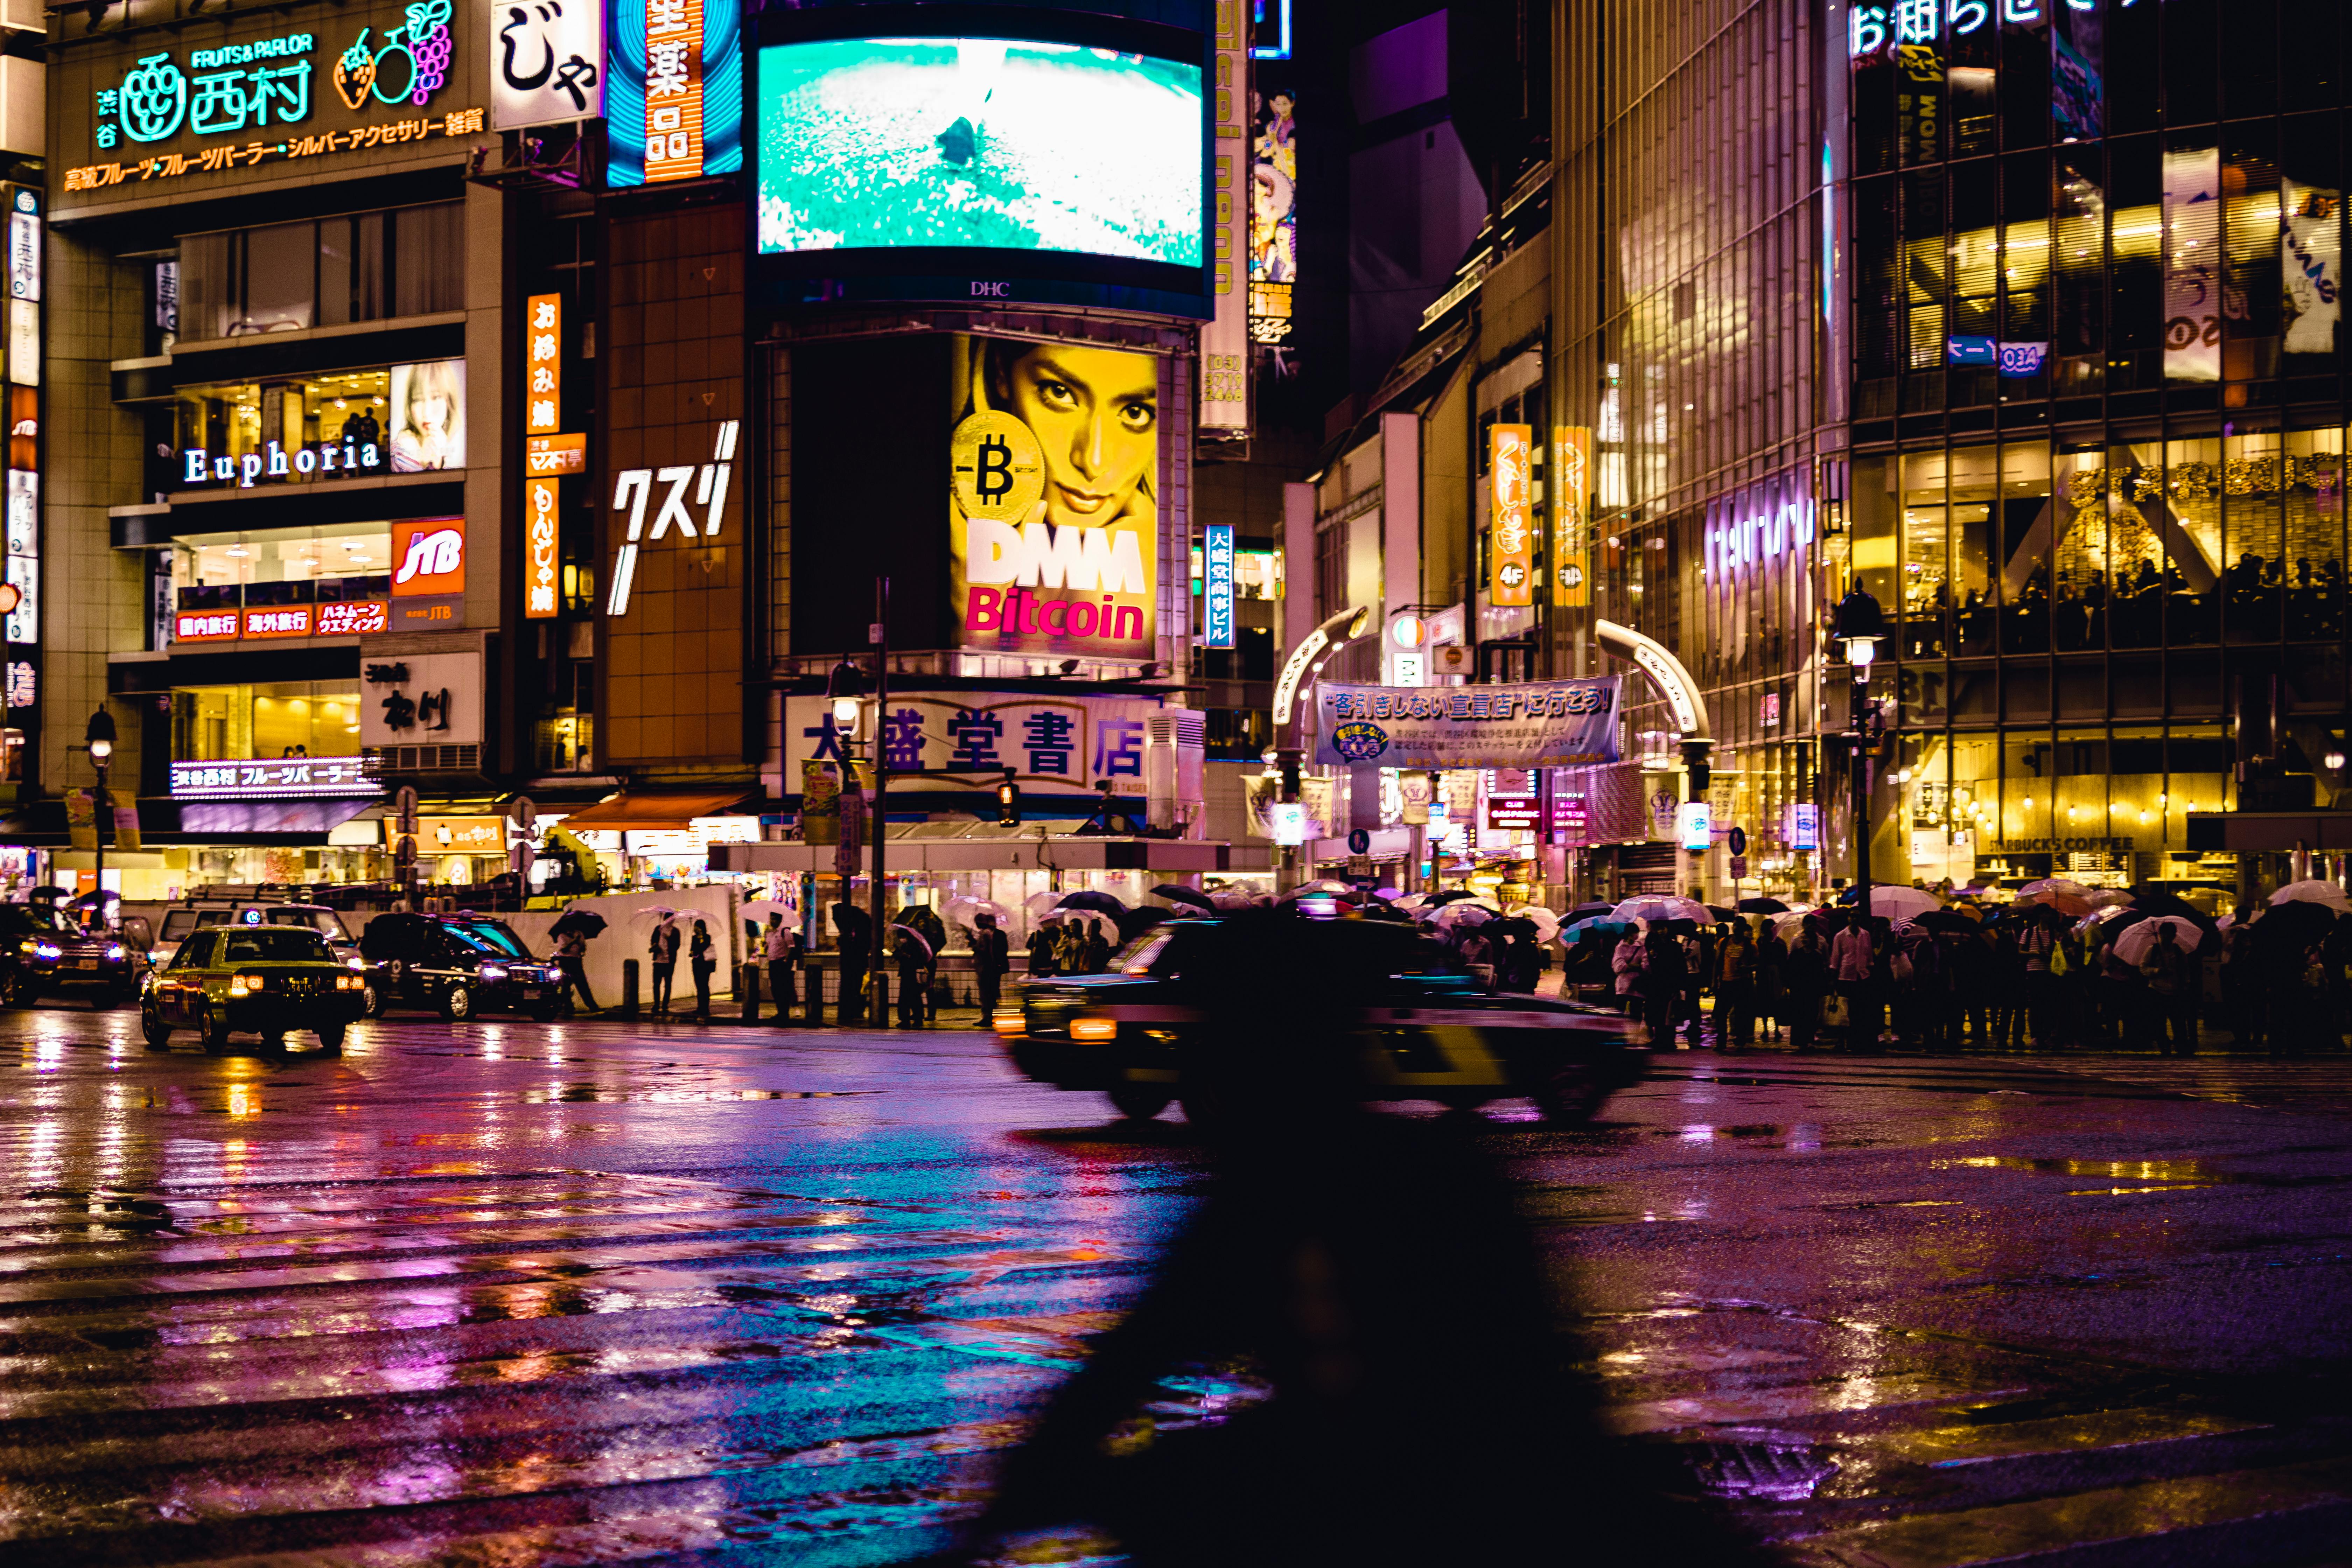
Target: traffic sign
<point>1738,842</point>
<point>403,806</point>
<point>523,812</point>
<point>1360,866</point>
<point>1358,841</point>
<point>1739,867</point>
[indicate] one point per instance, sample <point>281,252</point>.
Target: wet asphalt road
<point>497,1293</point>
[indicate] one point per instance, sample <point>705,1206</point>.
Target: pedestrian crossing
<point>567,1366</point>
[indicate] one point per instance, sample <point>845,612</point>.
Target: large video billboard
<point>1054,512</point>
<point>990,144</point>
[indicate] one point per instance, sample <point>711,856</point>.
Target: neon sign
<point>1761,534</point>
<point>1871,29</point>
<point>237,87</point>
<point>1217,586</point>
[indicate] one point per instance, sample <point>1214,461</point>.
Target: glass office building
<point>2098,421</point>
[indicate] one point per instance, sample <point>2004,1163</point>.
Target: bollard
<point>747,988</point>
<point>878,1001</point>
<point>628,989</point>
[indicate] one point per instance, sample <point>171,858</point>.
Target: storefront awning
<point>199,818</point>
<point>651,809</point>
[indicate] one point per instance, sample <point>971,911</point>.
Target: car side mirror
<point>137,934</point>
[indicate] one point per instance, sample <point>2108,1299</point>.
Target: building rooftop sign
<point>379,79</point>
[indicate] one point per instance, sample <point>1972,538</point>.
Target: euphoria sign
<point>1556,723</point>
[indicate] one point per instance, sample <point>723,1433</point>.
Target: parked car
<point>455,965</point>
<point>256,978</point>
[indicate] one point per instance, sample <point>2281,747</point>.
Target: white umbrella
<point>2053,885</point>
<point>2313,892</point>
<point>961,909</point>
<point>1040,904</point>
<point>2136,940</point>
<point>1547,923</point>
<point>758,911</point>
<point>1462,911</point>
<point>1662,907</point>
<point>1410,901</point>
<point>2107,898</point>
<point>1899,903</point>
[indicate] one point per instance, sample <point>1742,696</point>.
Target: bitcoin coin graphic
<point>999,472</point>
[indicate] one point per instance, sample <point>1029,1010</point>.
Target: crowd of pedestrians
<point>2025,977</point>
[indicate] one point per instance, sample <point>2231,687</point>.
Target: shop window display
<point>346,562</point>
<point>286,718</point>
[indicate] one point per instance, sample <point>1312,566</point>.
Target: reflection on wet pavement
<point>492,1294</point>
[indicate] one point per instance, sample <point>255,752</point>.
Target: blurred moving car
<point>455,965</point>
<point>263,980</point>
<point>1429,1032</point>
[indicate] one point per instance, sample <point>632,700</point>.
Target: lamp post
<point>99,736</point>
<point>1861,626</point>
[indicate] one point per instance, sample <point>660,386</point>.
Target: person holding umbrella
<point>571,933</point>
<point>855,930</point>
<point>662,951</point>
<point>991,958</point>
<point>913,958</point>
<point>2171,973</point>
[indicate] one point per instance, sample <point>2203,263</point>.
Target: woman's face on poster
<point>1095,413</point>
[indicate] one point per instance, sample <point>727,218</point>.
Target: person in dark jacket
<point>1805,985</point>
<point>663,949</point>
<point>702,958</point>
<point>912,961</point>
<point>855,928</point>
<point>1663,970</point>
<point>992,957</point>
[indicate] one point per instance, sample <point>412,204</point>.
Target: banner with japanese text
<point>1552,723</point>
<point>1060,742</point>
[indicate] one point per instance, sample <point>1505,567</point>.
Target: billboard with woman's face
<point>1054,512</point>
<point>426,426</point>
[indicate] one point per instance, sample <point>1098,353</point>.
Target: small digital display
<point>979,143</point>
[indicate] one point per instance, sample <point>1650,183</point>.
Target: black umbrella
<point>1946,920</point>
<point>1447,897</point>
<point>1586,911</point>
<point>1762,906</point>
<point>587,923</point>
<point>1135,922</point>
<point>1192,896</point>
<point>1101,903</point>
<point>2297,921</point>
<point>1720,913</point>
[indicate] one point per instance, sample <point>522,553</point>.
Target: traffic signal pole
<point>881,640</point>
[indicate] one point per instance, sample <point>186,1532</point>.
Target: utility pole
<point>881,638</point>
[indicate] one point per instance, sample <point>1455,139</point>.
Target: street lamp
<point>99,736</point>
<point>1861,626</point>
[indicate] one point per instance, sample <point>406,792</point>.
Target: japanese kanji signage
<point>1225,339</point>
<point>674,90</point>
<point>1062,744</point>
<point>225,93</point>
<point>1570,495</point>
<point>547,61</point>
<point>1511,548</point>
<point>421,700</point>
<point>275,778</point>
<point>542,414</point>
<point>1217,586</point>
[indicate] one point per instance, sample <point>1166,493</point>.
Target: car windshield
<point>178,923</point>
<point>492,938</point>
<point>326,922</point>
<point>276,944</point>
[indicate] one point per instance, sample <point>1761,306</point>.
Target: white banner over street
<point>1552,723</point>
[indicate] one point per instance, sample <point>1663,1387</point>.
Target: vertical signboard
<point>549,62</point>
<point>1511,549</point>
<point>1274,218</point>
<point>1217,586</point>
<point>674,90</point>
<point>1571,539</point>
<point>1224,340</point>
<point>1053,504</point>
<point>20,593</point>
<point>542,416</point>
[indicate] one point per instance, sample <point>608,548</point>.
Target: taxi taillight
<point>1095,1030</point>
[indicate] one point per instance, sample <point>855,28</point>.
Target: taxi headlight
<point>47,950</point>
<point>493,972</point>
<point>1096,1030</point>
<point>114,952</point>
<point>355,963</point>
<point>1010,1022</point>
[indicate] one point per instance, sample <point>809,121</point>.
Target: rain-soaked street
<point>499,1293</point>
